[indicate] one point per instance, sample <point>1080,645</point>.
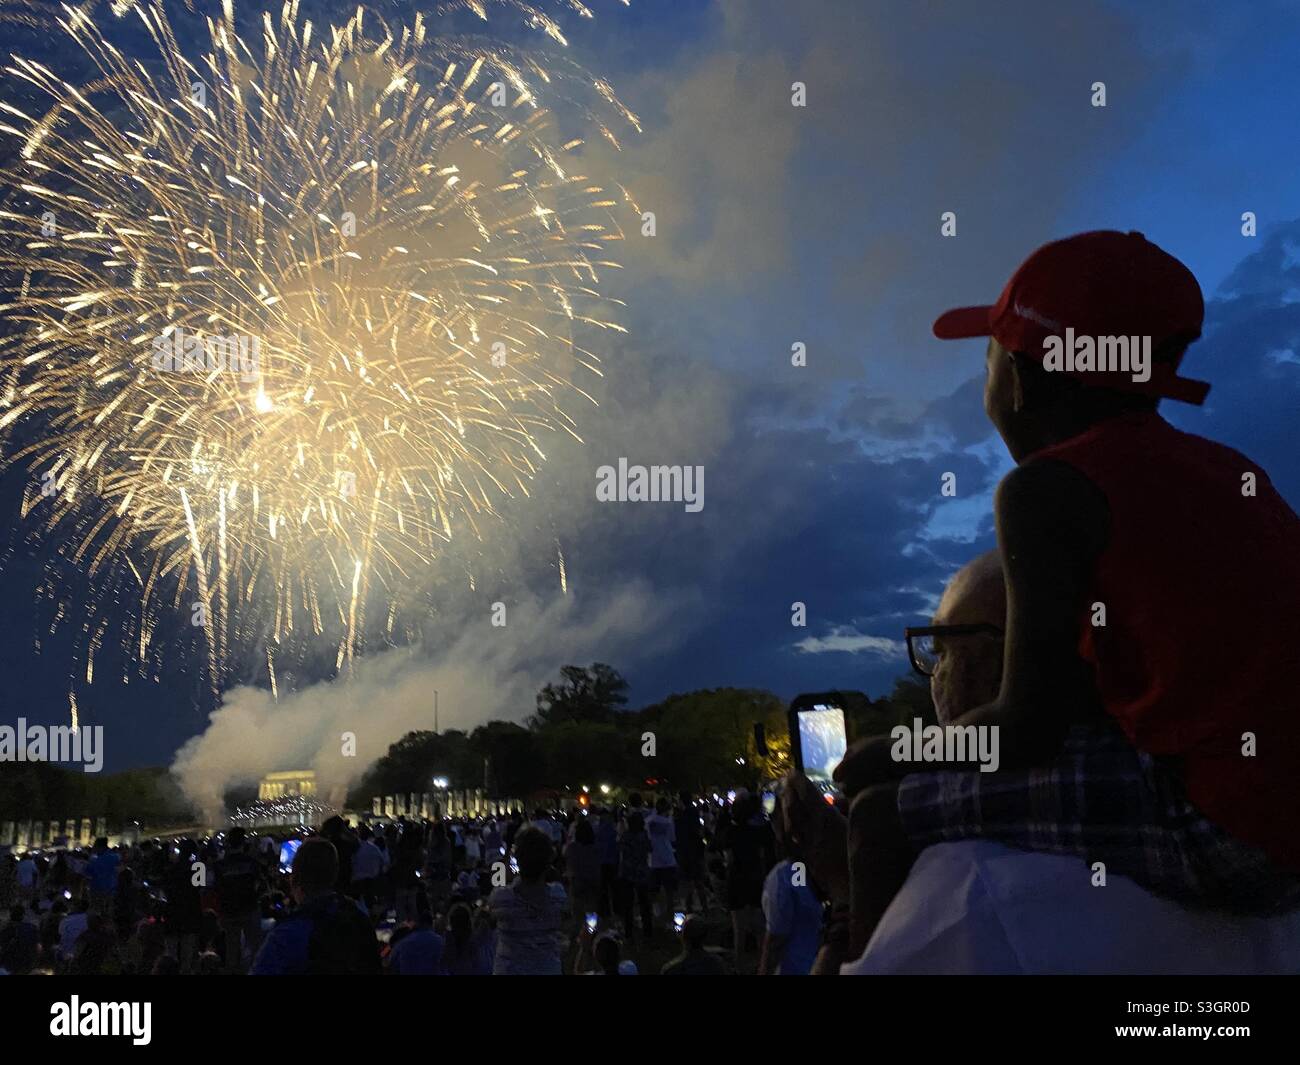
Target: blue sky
<point>822,225</point>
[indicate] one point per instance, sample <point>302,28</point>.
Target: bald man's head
<point>976,595</point>
<point>968,672</point>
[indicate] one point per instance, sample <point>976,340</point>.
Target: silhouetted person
<point>327,934</point>
<point>239,888</point>
<point>1148,716</point>
<point>695,958</point>
<point>531,915</point>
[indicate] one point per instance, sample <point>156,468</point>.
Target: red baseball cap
<point>1103,283</point>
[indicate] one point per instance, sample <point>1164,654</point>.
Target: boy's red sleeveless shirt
<point>1201,585</point>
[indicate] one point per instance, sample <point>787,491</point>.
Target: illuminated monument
<point>290,782</point>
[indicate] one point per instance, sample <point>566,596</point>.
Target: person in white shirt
<point>491,839</point>
<point>792,913</point>
<point>662,831</point>
<point>72,928</point>
<point>977,907</point>
<point>367,867</point>
<point>26,876</point>
<point>549,825</point>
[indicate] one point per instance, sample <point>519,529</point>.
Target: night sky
<point>821,225</point>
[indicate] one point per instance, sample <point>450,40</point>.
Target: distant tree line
<point>34,791</point>
<point>581,734</point>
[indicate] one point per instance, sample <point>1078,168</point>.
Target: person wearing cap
<point>1148,716</point>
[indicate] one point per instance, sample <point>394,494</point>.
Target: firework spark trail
<point>393,227</point>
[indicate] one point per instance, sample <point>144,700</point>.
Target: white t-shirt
<point>977,907</point>
<point>70,931</point>
<point>663,834</point>
<point>795,913</point>
<point>367,862</point>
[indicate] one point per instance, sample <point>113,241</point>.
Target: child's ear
<point>1017,385</point>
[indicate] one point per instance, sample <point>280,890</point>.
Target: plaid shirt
<point>1103,801</point>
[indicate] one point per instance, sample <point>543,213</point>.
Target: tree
<point>909,700</point>
<point>585,753</point>
<point>513,758</point>
<point>413,761</point>
<point>588,695</point>
<point>706,738</point>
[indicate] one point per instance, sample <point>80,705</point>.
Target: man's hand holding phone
<point>821,833</point>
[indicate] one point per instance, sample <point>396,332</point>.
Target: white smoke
<point>486,673</point>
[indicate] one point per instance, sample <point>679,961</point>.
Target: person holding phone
<point>326,934</point>
<point>695,959</point>
<point>532,916</point>
<point>601,954</point>
<point>963,662</point>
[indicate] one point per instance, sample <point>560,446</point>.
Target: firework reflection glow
<point>390,222</point>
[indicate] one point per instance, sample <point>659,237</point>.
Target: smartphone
<point>514,865</point>
<point>591,922</point>
<point>769,803</point>
<point>679,919</point>
<point>818,738</point>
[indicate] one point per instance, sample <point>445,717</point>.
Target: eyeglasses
<point>922,642</point>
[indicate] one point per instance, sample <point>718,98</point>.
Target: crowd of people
<point>680,886</point>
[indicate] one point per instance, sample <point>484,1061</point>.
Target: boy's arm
<point>1052,524</point>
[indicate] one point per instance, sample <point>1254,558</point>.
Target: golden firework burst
<point>284,313</point>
